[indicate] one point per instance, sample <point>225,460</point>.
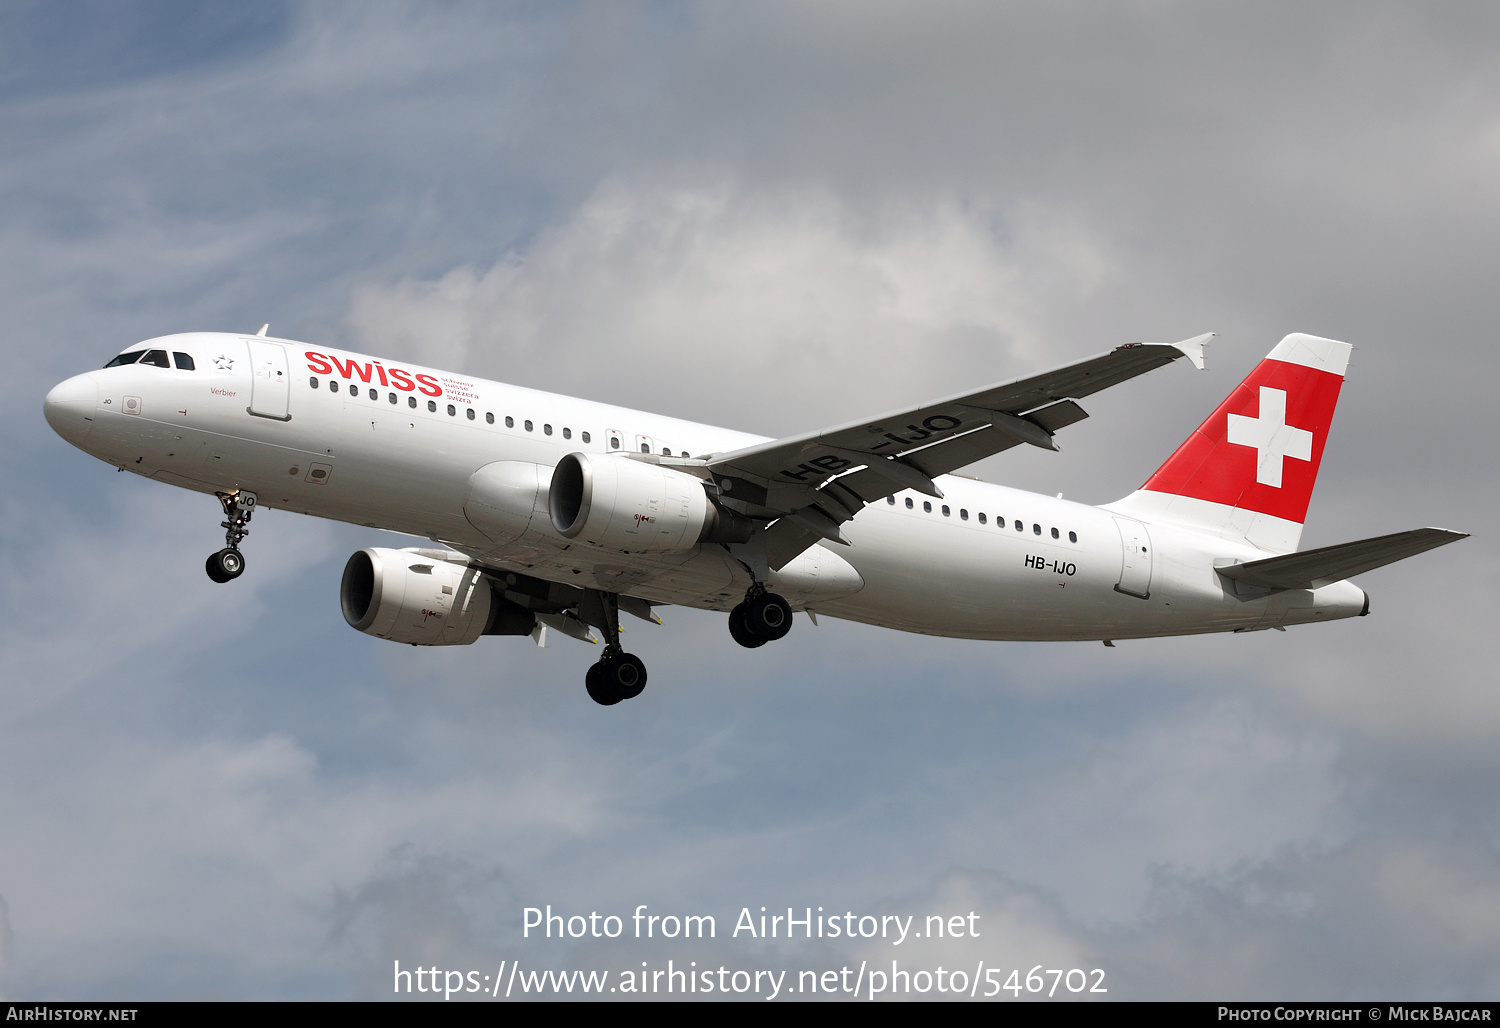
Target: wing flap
<point>1325,565</point>
<point>1058,416</point>
<point>961,451</point>
<point>784,540</point>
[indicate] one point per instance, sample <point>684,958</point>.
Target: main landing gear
<point>763,617</point>
<point>617,675</point>
<point>229,563</point>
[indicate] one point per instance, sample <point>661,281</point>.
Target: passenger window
<point>891,500</point>
<point>614,442</point>
<point>313,381</point>
<point>927,506</point>
<point>489,418</point>
<point>510,422</point>
<point>946,511</point>
<point>981,518</point>
<point>470,414</point>
<point>567,433</point>
<point>1054,533</point>
<point>353,389</point>
<point>963,514</point>
<point>1020,527</point>
<point>374,394</point>
<point>645,447</point>
<point>452,411</point>
<point>125,358</point>
<point>1036,529</point>
<point>411,401</point>
<point>393,397</point>
<point>585,437</point>
<point>431,406</point>
<point>546,430</point>
<point>909,503</point>
<point>528,426</point>
<point>1072,537</point>
<point>183,361</point>
<point>157,358</point>
<point>665,452</point>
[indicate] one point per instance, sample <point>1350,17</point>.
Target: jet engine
<point>636,507</point>
<point>407,597</point>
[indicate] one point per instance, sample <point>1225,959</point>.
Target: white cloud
<point>700,294</point>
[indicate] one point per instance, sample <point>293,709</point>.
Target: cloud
<point>659,286</point>
<point>772,217</point>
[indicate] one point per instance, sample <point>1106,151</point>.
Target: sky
<point>773,217</point>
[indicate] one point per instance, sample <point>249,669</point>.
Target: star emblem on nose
<point>223,363</point>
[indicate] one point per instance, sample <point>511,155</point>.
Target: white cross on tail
<point>1271,436</point>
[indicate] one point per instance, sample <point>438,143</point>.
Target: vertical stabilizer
<point>1248,471</point>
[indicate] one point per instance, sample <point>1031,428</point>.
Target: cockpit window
<point>183,361</point>
<point>156,357</point>
<point>125,358</point>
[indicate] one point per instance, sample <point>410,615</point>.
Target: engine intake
<point>637,507</point>
<point>411,598</point>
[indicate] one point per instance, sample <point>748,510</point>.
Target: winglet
<point>1192,349</point>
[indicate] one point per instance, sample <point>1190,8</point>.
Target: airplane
<point>545,511</point>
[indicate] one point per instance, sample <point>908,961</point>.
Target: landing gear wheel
<point>768,616</point>
<point>740,631</point>
<point>615,677</point>
<point>226,565</point>
<point>628,674</point>
<point>598,687</point>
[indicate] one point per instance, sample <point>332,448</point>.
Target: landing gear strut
<point>763,617</point>
<point>617,675</point>
<point>229,563</point>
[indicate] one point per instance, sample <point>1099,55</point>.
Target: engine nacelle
<point>406,597</point>
<point>636,507</point>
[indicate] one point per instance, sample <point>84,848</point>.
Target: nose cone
<point>69,408</point>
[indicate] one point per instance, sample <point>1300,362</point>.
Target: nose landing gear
<point>763,617</point>
<point>229,563</point>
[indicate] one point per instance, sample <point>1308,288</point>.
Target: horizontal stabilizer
<point>1312,569</point>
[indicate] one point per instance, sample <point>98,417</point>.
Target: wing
<point>811,484</point>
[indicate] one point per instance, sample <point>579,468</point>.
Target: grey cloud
<point>888,201</point>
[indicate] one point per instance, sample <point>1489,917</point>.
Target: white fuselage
<point>398,453</point>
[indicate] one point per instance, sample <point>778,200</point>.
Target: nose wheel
<point>229,563</point>
<point>763,617</point>
<point>226,565</point>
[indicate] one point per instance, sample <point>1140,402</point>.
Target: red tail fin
<point>1261,449</point>
<point>1249,469</point>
